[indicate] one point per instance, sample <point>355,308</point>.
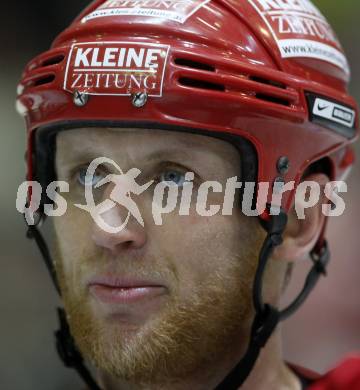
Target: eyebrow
<point>169,152</point>
<point>186,146</point>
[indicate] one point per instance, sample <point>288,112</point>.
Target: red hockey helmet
<point>268,71</point>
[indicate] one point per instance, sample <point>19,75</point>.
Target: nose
<point>131,236</point>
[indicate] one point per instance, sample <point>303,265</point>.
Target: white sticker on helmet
<point>176,10</point>
<point>116,68</point>
<point>334,112</point>
<point>300,30</point>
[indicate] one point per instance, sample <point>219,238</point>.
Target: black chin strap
<point>266,316</point>
<point>69,354</point>
<point>34,233</point>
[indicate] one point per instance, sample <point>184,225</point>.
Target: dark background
<point>325,329</point>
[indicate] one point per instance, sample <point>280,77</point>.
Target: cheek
<point>73,236</point>
<point>202,246</point>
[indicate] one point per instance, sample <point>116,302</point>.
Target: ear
<point>301,235</point>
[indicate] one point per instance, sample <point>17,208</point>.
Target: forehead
<point>139,143</point>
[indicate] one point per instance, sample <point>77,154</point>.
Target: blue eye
<point>81,178</point>
<point>173,177</point>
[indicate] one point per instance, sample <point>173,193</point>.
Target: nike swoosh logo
<point>322,108</point>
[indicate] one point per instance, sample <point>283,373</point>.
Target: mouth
<point>124,290</point>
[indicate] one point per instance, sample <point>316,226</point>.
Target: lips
<point>124,290</point>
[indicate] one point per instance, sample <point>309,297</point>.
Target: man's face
<point>194,273</point>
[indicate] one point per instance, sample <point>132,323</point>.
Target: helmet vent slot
<point>268,82</point>
<point>201,84</point>
<point>273,99</point>
<point>53,60</point>
<point>43,80</point>
<point>194,64</point>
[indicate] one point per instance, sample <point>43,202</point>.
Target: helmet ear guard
<point>264,102</point>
